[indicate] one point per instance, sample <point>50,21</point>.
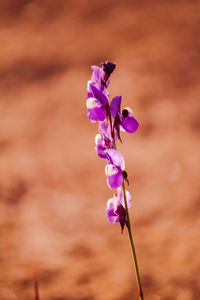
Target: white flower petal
<point>111,170</point>
<point>130,111</point>
<point>92,103</point>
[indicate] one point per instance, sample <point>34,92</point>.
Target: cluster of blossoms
<point>111,122</point>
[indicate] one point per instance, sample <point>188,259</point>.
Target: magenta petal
<point>98,94</point>
<point>97,74</point>
<point>101,151</point>
<point>120,196</point>
<point>117,158</point>
<point>114,176</point>
<point>115,181</point>
<point>97,114</point>
<point>130,124</point>
<point>98,77</point>
<point>115,106</point>
<point>104,129</point>
<point>110,216</point>
<point>110,210</point>
<point>89,95</point>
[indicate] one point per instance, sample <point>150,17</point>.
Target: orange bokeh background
<point>53,188</point>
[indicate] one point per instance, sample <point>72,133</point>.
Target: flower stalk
<point>128,224</point>
<point>111,121</point>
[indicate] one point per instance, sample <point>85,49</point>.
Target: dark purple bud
<point>122,222</point>
<point>121,211</point>
<point>122,216</point>
<point>117,122</point>
<point>125,176</point>
<point>125,113</point>
<point>108,68</point>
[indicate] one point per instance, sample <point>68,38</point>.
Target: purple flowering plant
<point>112,120</point>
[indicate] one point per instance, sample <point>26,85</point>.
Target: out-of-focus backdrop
<point>53,188</point>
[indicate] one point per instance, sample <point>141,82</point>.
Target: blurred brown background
<point>53,188</point>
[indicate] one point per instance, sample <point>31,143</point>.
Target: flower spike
<point>111,121</point>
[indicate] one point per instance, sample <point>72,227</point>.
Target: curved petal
<point>89,95</point>
<point>97,74</point>
<point>104,129</point>
<point>88,86</point>
<point>100,148</point>
<point>97,114</point>
<point>115,106</point>
<point>120,196</point>
<point>110,211</point>
<point>130,124</point>
<point>98,94</point>
<point>111,170</point>
<point>116,158</point>
<point>93,103</point>
<point>98,139</point>
<point>101,151</point>
<point>114,176</point>
<point>98,86</point>
<point>111,216</point>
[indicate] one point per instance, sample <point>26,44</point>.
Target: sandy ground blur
<point>53,190</point>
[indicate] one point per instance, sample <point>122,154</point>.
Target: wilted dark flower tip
<point>108,67</point>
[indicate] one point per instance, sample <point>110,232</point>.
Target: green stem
<point>127,214</point>
<point>132,246</point>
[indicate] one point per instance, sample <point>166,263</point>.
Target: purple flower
<point>115,210</point>
<point>114,168</point>
<point>103,139</point>
<point>97,93</point>
<point>111,121</point>
<point>124,120</point>
<point>96,104</point>
<point>100,146</point>
<point>120,196</point>
<point>97,74</point>
<point>100,79</point>
<point>105,131</point>
<point>96,80</point>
